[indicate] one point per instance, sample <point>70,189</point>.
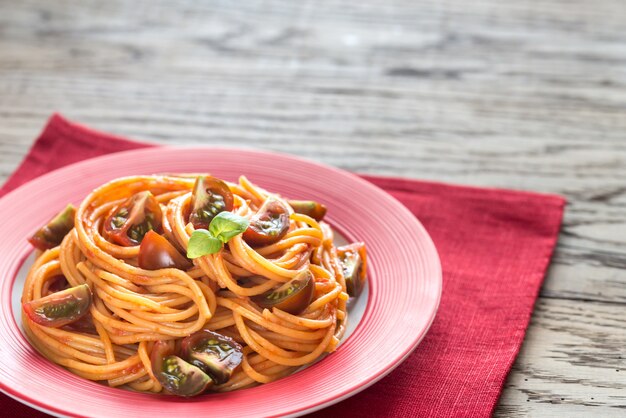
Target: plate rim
<point>310,407</point>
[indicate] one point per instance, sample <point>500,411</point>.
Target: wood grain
<point>524,94</point>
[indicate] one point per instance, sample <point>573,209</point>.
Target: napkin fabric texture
<point>495,247</point>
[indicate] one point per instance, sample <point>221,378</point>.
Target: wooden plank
<point>572,363</point>
<point>526,94</point>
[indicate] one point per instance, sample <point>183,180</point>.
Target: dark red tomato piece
<point>310,208</point>
<point>215,354</point>
<point>60,308</point>
<point>175,374</point>
<point>293,297</point>
<point>83,324</point>
<point>57,283</point>
<point>353,260</point>
<point>129,222</point>
<point>51,235</point>
<point>269,224</point>
<point>156,252</point>
<point>210,196</point>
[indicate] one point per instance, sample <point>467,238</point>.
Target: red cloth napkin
<point>495,247</point>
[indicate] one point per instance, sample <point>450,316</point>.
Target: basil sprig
<point>222,228</point>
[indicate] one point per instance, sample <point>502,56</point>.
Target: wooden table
<point>526,94</point>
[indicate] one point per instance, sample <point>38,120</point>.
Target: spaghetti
<point>113,297</point>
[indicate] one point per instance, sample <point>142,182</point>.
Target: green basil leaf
<point>202,243</point>
<point>226,225</point>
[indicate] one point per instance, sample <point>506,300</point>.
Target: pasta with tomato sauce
<point>186,284</point>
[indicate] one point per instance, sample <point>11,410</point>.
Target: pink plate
<point>404,286</point>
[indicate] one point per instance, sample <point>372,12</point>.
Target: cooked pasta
<point>113,297</point>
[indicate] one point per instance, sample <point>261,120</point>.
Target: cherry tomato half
<point>213,353</point>
<point>293,297</point>
<point>156,252</point>
<point>310,208</point>
<point>210,196</point>
<point>57,283</point>
<point>175,374</point>
<point>83,324</point>
<point>129,222</point>
<point>60,308</point>
<point>51,235</point>
<point>269,224</point>
<point>353,259</point>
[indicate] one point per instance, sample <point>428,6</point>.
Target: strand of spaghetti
<point>258,196</point>
<point>167,196</point>
<point>238,190</point>
<point>101,313</point>
<point>106,342</point>
<point>287,358</point>
<point>112,301</point>
<point>255,317</point>
<point>242,384</point>
<point>73,340</point>
<point>145,386</point>
<point>222,323</point>
<point>167,328</point>
<point>195,272</point>
<point>260,344</point>
<point>288,242</point>
<point>119,366</point>
<point>330,260</point>
<point>44,258</point>
<point>255,375</point>
<point>253,261</point>
<point>308,323</point>
<point>102,287</point>
<point>168,318</point>
<point>235,269</point>
<point>321,272</point>
<point>128,296</point>
<point>128,378</point>
<point>147,363</point>
<point>46,271</point>
<point>60,349</point>
<point>294,259</point>
<point>69,256</point>
<point>273,318</point>
<point>332,346</point>
<point>303,347</point>
<point>323,300</point>
<point>286,246</point>
<point>177,222</point>
<point>218,262</point>
<point>281,338</point>
<point>108,347</point>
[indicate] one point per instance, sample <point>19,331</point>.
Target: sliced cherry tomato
<point>60,308</point>
<point>57,283</point>
<point>215,354</point>
<point>210,196</point>
<point>293,297</point>
<point>156,252</point>
<point>310,208</point>
<point>269,224</point>
<point>51,235</point>
<point>353,259</point>
<point>83,324</point>
<point>129,222</point>
<point>175,374</point>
